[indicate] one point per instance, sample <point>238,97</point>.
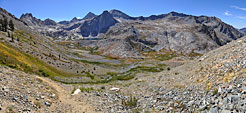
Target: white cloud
<point>227,13</point>
<point>239,8</point>
<point>78,17</point>
<point>242,17</point>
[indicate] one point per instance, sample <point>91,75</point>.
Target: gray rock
<point>234,98</point>
<point>190,103</point>
<point>225,111</point>
<point>213,110</point>
<point>219,90</point>
<point>42,97</point>
<point>47,103</point>
<point>175,105</point>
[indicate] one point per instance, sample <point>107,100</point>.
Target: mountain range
<point>125,36</point>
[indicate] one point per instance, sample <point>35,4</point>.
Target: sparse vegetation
<point>4,24</point>
<point>37,103</point>
<point>92,50</point>
<point>43,73</point>
<point>88,89</point>
<point>168,68</point>
<point>167,56</point>
<point>130,102</point>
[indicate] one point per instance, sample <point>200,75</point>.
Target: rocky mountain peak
<point>75,19</point>
<point>26,15</point>
<point>89,16</point>
<point>30,20</point>
<point>119,14</point>
<point>49,22</point>
<point>173,13</point>
<point>99,24</point>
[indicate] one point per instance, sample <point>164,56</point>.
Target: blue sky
<point>230,11</point>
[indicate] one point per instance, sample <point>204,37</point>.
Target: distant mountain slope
<point>173,32</point>
<point>243,30</point>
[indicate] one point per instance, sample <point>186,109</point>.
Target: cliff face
<point>99,24</point>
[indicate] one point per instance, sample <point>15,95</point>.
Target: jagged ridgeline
<point>123,36</point>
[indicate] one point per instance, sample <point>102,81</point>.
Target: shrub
<point>89,89</point>
<point>131,102</point>
<point>43,73</point>
<point>168,68</point>
<point>103,87</point>
<point>37,103</point>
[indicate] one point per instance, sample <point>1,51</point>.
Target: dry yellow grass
<point>14,54</point>
<point>229,77</point>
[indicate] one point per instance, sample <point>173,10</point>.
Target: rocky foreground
<point>25,93</point>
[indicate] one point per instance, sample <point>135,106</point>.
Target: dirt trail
<point>66,98</point>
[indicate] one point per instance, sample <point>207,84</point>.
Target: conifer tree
<point>1,24</point>
<point>5,25</point>
<point>11,25</point>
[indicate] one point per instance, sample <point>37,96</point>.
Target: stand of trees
<point>5,24</point>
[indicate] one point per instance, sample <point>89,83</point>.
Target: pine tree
<point>5,25</point>
<point>11,25</point>
<point>8,34</point>
<point>1,24</point>
<point>12,38</point>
